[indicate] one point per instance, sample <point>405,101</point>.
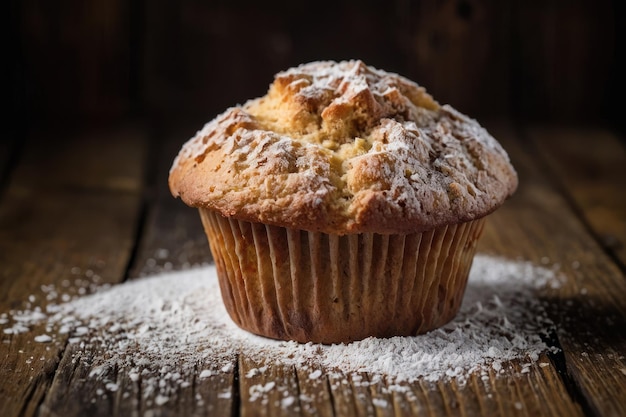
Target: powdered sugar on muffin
<point>344,148</point>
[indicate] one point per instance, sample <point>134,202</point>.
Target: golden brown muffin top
<point>344,148</point>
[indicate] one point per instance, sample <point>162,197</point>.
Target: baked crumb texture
<point>344,148</point>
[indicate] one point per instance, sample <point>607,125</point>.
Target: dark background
<point>105,61</point>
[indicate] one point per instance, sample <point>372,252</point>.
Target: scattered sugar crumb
<point>161,399</point>
<point>43,338</point>
<point>287,402</point>
<point>253,372</point>
<point>225,395</point>
<point>162,329</point>
<point>315,374</point>
<point>205,374</point>
<point>258,391</point>
<point>380,402</point>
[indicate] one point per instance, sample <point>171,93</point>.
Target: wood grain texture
<point>515,390</point>
<point>47,230</point>
<point>117,391</point>
<point>343,398</point>
<point>51,232</point>
<point>590,165</point>
<point>315,397</point>
<point>105,158</point>
<point>81,385</point>
<point>589,309</point>
<point>267,389</point>
<point>173,237</point>
<point>217,394</point>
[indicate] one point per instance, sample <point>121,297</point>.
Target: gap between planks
<point>588,165</point>
<point>57,204</point>
<point>588,309</point>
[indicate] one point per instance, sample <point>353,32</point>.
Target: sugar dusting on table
<point>172,329</point>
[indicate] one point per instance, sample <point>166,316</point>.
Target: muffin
<point>345,203</point>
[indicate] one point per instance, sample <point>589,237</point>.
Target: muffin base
<point>314,287</point>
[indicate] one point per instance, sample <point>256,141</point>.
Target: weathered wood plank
<point>118,391</point>
<point>173,239</point>
<point>205,390</point>
<point>534,390</point>
<point>589,308</point>
<point>382,397</point>
<point>590,165</point>
<point>150,391</point>
<point>173,236</point>
<point>54,228</point>
<point>106,158</point>
<point>216,394</point>
<point>315,398</point>
<point>267,389</point>
<point>343,399</point>
<point>68,394</point>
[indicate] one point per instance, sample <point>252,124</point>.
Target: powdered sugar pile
<point>171,328</point>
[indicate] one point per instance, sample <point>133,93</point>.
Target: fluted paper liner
<point>314,287</point>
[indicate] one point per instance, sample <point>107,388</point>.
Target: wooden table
<point>96,199</point>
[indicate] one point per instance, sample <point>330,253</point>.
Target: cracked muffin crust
<point>344,148</point>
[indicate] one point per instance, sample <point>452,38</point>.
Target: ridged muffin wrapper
<point>314,287</point>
